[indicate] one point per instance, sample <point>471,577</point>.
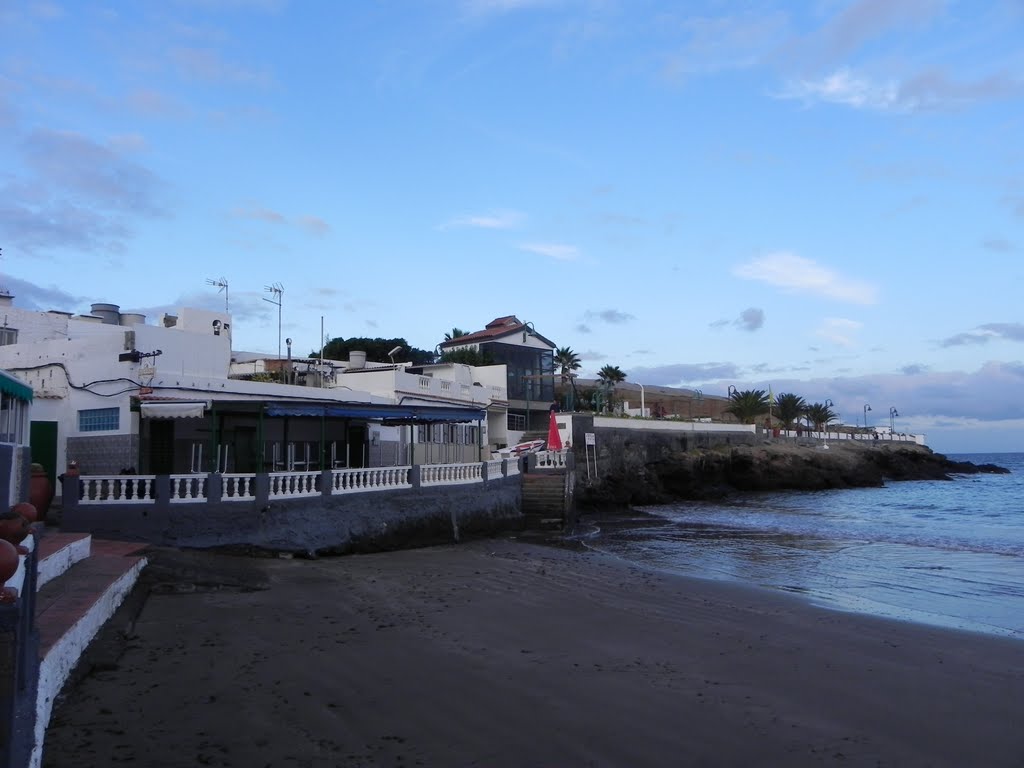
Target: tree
<point>567,360</point>
<point>610,375</point>
<point>467,356</point>
<point>748,405</point>
<point>789,408</point>
<point>454,333</point>
<point>820,415</point>
<point>375,349</point>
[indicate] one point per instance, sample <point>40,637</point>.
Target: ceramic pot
<point>40,491</point>
<point>13,527</point>
<point>27,510</point>
<point>8,560</point>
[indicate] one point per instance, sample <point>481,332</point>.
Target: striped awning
<point>14,387</point>
<point>174,410</point>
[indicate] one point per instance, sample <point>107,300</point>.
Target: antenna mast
<point>222,285</point>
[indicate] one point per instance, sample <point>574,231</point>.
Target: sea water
<point>947,553</point>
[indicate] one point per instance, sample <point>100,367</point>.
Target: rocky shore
<point>639,477</point>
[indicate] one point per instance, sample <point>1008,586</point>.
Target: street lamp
<point>866,409</point>
<point>893,413</point>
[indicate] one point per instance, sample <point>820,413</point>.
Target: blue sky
<point>821,197</point>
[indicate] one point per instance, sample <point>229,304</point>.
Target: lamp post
<point>277,291</point>
<point>893,413</point>
<point>866,409</point>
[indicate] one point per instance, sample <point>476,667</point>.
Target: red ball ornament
<point>8,560</point>
<point>13,527</point>
<point>26,510</point>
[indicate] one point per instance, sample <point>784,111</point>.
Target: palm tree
<point>748,405</point>
<point>454,334</point>
<point>820,415</point>
<point>567,360</point>
<point>789,408</point>
<point>610,375</point>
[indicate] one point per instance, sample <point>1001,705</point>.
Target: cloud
<point>313,224</point>
<point>610,316</point>
<point>716,44</point>
<point>75,193</point>
<point>150,102</point>
<point>865,20</point>
<point>999,245</point>
<point>839,331</point>
<point>983,334</point>
<point>207,65</point>
<point>683,373</point>
<point>913,369</point>
<point>583,328</point>
<point>927,91</point>
<point>750,319</point>
<point>490,220</point>
<point>800,275</point>
<point>556,251</point>
<point>32,296</point>
<point>490,7</point>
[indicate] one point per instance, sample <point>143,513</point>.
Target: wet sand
<point>501,653</point>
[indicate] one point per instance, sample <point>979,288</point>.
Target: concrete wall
<point>368,521</point>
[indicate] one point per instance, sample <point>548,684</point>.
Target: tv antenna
<point>222,285</point>
<point>277,291</point>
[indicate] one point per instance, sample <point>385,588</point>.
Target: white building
<point>114,393</point>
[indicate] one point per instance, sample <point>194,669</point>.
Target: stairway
<point>544,499</point>
<point>81,582</point>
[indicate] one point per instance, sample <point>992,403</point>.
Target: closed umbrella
<point>554,439</point>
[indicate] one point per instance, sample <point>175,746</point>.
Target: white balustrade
<point>513,467</point>
<point>451,474</point>
<point>369,479</point>
<point>188,488</point>
<point>238,487</point>
<point>494,469</point>
<point>291,485</point>
<point>117,489</point>
<point>551,459</point>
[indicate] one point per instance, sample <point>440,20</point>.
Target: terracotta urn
<point>13,527</point>
<point>8,560</point>
<point>40,491</point>
<point>27,510</point>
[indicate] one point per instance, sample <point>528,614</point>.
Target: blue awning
<point>379,412</point>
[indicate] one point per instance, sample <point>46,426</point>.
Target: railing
<point>450,474</point>
<point>512,468</point>
<point>188,488</point>
<point>238,487</point>
<point>494,468</point>
<point>122,489</point>
<point>370,479</point>
<point>292,485</point>
<point>551,459</point>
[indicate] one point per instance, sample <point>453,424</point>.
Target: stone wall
<point>358,522</point>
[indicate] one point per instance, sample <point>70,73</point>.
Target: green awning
<point>15,387</point>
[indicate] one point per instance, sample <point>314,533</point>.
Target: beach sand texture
<point>503,653</point>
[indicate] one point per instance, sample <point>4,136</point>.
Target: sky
<point>821,197</point>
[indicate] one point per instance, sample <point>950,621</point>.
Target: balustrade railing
<point>292,485</point>
<point>238,487</point>
<point>451,474</point>
<point>369,479</point>
<point>551,459</point>
<point>494,468</point>
<point>120,489</point>
<point>188,488</point>
<point>512,467</point>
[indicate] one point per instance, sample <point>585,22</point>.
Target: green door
<point>42,438</point>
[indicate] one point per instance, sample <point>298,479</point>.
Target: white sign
<point>590,438</point>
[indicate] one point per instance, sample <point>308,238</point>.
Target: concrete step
<point>70,610</point>
<point>59,551</point>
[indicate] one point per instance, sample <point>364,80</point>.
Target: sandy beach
<point>504,653</point>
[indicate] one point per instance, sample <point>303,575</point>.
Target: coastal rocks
<point>638,476</point>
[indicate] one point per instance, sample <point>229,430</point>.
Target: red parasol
<point>554,439</point>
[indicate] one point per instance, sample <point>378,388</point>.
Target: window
<point>8,336</point>
<point>99,419</point>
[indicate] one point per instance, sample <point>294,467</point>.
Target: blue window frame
<point>99,419</point>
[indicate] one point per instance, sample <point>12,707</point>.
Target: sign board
<point>590,440</point>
